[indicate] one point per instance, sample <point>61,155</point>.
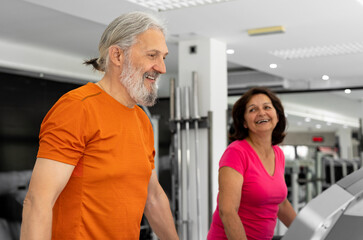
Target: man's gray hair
<point>123,32</point>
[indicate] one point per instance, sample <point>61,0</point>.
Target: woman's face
<point>260,114</point>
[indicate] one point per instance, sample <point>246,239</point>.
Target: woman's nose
<point>261,112</point>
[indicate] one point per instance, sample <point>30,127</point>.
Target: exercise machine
<point>335,214</point>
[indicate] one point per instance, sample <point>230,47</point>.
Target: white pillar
<point>208,58</point>
<point>345,143</point>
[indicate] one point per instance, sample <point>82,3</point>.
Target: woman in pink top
<point>252,188</point>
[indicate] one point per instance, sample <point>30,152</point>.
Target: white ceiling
<point>331,31</point>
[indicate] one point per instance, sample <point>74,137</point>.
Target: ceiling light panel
<point>266,30</point>
<point>319,51</point>
<point>167,5</point>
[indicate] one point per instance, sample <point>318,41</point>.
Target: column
<point>345,143</point>
<point>208,58</point>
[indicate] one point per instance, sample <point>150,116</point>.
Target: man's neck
<point>113,87</point>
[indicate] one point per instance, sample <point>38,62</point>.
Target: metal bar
<point>309,185</point>
<point>332,171</point>
<point>195,114</point>
<point>210,167</point>
<point>319,173</point>
<point>179,157</point>
<point>187,151</point>
<point>344,167</point>
<point>173,148</point>
<point>196,118</point>
<point>172,98</point>
<point>295,186</point>
<point>360,137</point>
<point>355,165</point>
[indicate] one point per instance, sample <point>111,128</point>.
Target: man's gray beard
<point>133,80</point>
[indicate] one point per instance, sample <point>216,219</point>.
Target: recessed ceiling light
<point>318,126</point>
<point>347,91</point>
<point>325,77</point>
<point>166,5</point>
<point>299,123</point>
<point>273,65</point>
<point>230,51</point>
<point>328,123</point>
<point>307,119</point>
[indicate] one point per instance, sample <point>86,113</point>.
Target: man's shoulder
<point>84,92</point>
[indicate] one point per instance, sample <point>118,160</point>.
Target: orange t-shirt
<point>112,147</point>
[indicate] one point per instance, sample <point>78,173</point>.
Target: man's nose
<point>160,66</point>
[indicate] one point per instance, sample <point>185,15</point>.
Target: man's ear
<point>116,55</point>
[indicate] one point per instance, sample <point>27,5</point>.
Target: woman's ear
<point>116,55</point>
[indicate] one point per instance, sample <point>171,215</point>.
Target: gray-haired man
<point>94,178</point>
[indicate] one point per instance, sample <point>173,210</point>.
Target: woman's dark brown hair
<point>238,112</point>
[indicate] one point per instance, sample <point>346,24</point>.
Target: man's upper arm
<point>48,180</point>
<point>154,187</point>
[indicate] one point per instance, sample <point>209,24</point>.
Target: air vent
<point>319,51</point>
<point>166,5</point>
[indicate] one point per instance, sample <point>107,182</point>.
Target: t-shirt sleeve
<point>234,159</point>
<point>147,129</point>
<point>62,135</point>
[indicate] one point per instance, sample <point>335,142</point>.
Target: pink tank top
<point>261,192</point>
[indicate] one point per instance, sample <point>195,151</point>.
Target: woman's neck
<point>261,144</point>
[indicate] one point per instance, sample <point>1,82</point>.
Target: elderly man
<point>94,178</point>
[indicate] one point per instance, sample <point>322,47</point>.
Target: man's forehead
<point>152,40</point>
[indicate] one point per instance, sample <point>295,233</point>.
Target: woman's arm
<point>286,213</point>
<point>230,188</point>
